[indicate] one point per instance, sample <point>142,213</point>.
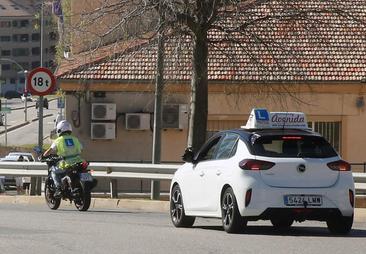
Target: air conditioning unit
<point>137,121</point>
<point>103,130</point>
<point>175,116</point>
<point>103,111</point>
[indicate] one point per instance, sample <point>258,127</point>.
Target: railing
<point>114,171</point>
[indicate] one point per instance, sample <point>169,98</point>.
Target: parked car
<point>45,103</point>
<point>12,94</point>
<point>27,97</point>
<point>274,168</point>
<point>14,156</point>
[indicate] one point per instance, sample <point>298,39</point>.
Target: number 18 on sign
<point>41,81</point>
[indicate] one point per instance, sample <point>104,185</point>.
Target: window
<point>24,23</point>
<point>208,151</point>
<point>225,149</point>
<point>5,24</point>
<point>14,23</point>
<point>12,81</point>
<point>36,51</point>
<point>5,38</point>
<point>24,37</point>
<point>331,131</point>
<point>5,53</point>
<point>15,37</point>
<point>293,146</point>
<point>20,52</point>
<point>36,37</point>
<point>5,67</point>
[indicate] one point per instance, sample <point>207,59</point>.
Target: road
<point>36,229</point>
<point>27,134</point>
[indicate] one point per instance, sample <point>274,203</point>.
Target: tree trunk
<point>199,91</point>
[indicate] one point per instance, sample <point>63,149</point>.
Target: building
<point>20,41</point>
<point>110,93</point>
<point>321,76</point>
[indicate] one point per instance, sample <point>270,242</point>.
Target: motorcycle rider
<point>66,146</point>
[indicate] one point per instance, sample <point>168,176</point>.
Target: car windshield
<point>293,147</point>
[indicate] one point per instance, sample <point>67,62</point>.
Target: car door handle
<point>202,173</point>
<point>218,172</point>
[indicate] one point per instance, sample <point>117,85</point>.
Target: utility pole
<point>40,99</point>
<point>159,84</point>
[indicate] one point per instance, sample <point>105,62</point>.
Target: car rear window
<point>293,147</point>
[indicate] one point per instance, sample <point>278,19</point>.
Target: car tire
<point>282,223</point>
<point>177,213</point>
<point>340,225</point>
<point>232,221</point>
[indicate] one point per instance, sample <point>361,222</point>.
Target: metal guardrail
<point>114,171</point>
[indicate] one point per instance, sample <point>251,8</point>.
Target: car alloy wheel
<point>177,213</point>
<point>232,221</point>
<point>177,209</point>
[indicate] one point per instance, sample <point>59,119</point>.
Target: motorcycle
<point>76,184</point>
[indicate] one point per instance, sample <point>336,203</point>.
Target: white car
<point>277,174</point>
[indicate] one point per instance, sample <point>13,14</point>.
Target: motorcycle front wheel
<point>49,190</point>
<point>82,202</point>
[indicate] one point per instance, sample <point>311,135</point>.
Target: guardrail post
<point>39,186</point>
<point>33,183</point>
<point>364,167</point>
<point>155,190</point>
<point>113,186</point>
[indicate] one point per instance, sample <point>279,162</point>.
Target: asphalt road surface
<point>36,229</point>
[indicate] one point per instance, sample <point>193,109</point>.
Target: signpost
<point>40,81</point>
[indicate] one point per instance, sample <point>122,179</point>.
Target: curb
<point>98,203</point>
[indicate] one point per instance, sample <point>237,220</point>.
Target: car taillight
<point>249,164</point>
<point>339,165</point>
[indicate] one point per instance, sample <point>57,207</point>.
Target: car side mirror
<point>188,155</point>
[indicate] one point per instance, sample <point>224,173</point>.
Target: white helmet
<point>62,127</point>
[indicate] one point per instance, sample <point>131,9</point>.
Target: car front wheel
<point>232,221</point>
<point>177,213</point>
<point>340,225</point>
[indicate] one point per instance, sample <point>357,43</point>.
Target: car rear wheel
<point>340,225</point>
<point>282,223</point>
<point>232,221</point>
<point>177,213</point>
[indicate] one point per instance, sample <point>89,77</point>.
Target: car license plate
<point>303,200</point>
<point>86,177</point>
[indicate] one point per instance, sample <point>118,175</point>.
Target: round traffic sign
<point>41,81</point>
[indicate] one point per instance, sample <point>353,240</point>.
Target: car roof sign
<point>260,118</point>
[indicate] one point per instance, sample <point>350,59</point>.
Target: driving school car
<point>274,168</point>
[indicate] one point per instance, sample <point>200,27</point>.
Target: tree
<point>247,24</point>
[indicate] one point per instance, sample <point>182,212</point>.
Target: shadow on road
<point>294,231</point>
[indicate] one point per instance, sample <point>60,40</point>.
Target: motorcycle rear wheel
<point>49,190</point>
<point>82,203</point>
